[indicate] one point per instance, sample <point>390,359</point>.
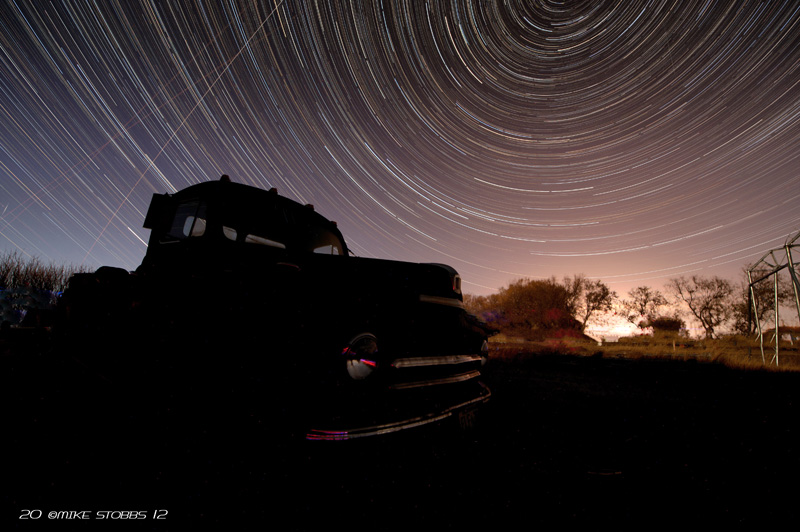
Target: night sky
<point>629,141</point>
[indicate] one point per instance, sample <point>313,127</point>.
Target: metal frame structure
<point>773,263</point>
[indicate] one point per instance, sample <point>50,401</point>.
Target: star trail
<point>628,141</point>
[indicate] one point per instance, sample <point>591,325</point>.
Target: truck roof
<point>240,206</point>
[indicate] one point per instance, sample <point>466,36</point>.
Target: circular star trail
<point>628,141</point>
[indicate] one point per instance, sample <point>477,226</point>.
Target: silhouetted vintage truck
<point>240,276</point>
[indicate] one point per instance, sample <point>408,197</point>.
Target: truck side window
<point>261,241</point>
<point>231,234</point>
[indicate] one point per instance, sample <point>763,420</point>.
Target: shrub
<point>533,309</point>
<point>27,284</point>
<point>665,325</point>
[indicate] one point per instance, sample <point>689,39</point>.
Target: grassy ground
<point>733,351</point>
<point>623,436</point>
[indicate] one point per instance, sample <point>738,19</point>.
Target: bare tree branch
<point>709,300</point>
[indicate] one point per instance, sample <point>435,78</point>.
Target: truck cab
<point>368,346</point>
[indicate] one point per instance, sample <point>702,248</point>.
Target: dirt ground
<point>564,440</point>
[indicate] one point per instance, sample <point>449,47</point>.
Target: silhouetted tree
<point>587,298</point>
<point>708,299</point>
<point>643,305</point>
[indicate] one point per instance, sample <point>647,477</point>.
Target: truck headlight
<point>361,355</point>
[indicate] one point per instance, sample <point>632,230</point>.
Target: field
<point>569,437</point>
<point>735,351</point>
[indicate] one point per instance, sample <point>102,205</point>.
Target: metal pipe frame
<point>774,265</point>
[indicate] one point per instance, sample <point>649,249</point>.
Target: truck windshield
<point>323,241</point>
<point>278,227</point>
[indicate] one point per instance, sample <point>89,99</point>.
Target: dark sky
<point>629,141</point>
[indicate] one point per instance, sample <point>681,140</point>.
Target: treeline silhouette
<point>535,309</point>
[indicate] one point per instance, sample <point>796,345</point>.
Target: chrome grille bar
<point>418,362</point>
<point>461,377</point>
